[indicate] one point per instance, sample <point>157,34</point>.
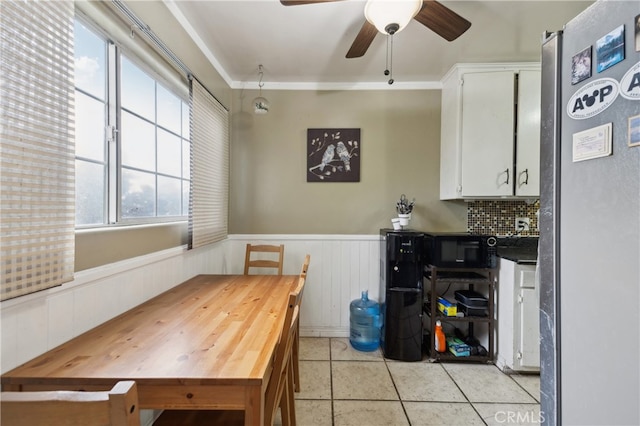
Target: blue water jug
<point>365,323</point>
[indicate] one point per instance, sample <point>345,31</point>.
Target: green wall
<point>400,150</point>
<point>400,153</point>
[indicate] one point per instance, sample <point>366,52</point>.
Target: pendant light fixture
<point>260,104</point>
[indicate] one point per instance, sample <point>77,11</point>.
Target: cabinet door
<point>488,101</point>
<point>528,135</point>
<point>529,350</point>
<point>450,143</point>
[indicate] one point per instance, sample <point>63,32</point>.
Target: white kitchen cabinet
<point>527,167</point>
<point>490,132</point>
<point>518,328</point>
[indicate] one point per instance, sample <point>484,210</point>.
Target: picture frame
<point>581,66</point>
<point>333,155</point>
<point>633,138</point>
<point>636,22</point>
<point>610,49</point>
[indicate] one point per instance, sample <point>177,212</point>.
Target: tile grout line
<point>537,400</point>
<point>330,360</point>
<point>463,394</point>
<point>404,410</point>
<point>333,423</point>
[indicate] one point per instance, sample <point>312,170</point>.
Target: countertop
<point>523,250</point>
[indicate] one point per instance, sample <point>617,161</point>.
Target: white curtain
<point>208,216</point>
<point>37,150</point>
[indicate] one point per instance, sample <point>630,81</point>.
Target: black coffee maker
<point>401,294</point>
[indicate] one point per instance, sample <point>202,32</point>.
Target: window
<point>91,122</point>
<point>55,143</point>
<point>132,138</point>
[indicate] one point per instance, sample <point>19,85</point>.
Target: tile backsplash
<point>493,217</point>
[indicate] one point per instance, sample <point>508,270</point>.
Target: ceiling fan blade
<point>299,2</point>
<point>363,40</point>
<point>442,20</point>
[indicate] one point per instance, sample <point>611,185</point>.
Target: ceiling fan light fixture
<point>391,16</point>
<point>260,104</point>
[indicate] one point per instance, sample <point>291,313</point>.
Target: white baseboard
<point>303,237</point>
<point>324,332</point>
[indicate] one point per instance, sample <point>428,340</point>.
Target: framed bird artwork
<point>333,155</point>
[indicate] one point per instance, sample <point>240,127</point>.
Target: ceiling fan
<point>435,16</point>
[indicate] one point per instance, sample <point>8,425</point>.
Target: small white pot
<point>404,219</point>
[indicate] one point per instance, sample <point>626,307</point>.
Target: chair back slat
<point>251,262</point>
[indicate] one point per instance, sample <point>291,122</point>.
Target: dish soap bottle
<point>441,342</point>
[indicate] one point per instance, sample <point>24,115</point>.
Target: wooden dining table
<point>207,344</point>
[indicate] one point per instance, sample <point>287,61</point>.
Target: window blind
<point>36,146</point>
<point>209,168</point>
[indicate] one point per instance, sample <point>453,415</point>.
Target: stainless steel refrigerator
<point>590,219</point>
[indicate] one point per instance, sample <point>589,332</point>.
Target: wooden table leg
<point>254,407</point>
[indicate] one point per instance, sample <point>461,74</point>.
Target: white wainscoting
<point>31,325</point>
<point>341,267</point>
<point>35,323</point>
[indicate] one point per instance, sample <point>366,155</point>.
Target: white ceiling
<point>304,46</point>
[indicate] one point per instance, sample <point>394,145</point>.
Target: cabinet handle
<point>506,182</point>
<point>525,172</point>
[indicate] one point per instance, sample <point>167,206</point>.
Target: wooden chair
<point>282,389</point>
<point>117,407</point>
<point>279,393</point>
<point>305,266</point>
<point>251,262</point>
<point>296,343</point>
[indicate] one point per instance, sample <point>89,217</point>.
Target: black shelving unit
<point>481,280</point>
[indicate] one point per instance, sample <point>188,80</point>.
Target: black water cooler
<point>401,254</point>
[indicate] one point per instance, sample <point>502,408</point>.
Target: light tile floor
<point>341,387</point>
